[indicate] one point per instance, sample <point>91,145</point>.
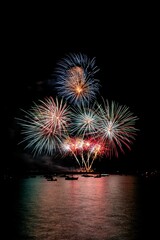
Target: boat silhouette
<point>71,178</point>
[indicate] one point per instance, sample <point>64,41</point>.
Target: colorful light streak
<point>85,130</point>
<point>74,79</point>
<point>45,125</point>
<point>85,151</point>
<point>116,126</point>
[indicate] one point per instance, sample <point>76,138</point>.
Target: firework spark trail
<point>98,130</point>
<point>74,78</point>
<point>109,126</point>
<point>45,126</point>
<point>76,146</point>
<point>86,130</point>
<point>84,120</point>
<point>85,149</point>
<point>116,126</point>
<point>69,146</point>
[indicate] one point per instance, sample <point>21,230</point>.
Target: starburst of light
<point>45,125</point>
<point>88,129</point>
<point>75,78</point>
<point>116,126</point>
<point>84,120</point>
<point>85,150</point>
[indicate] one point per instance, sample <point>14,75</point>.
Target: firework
<point>45,125</point>
<point>75,78</point>
<point>77,124</point>
<point>85,150</point>
<point>116,126</point>
<point>84,120</point>
<point>98,130</point>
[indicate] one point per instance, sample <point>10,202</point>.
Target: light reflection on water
<point>88,208</point>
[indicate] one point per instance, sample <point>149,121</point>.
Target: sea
<point>113,207</point>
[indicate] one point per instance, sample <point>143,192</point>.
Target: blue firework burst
<point>74,78</point>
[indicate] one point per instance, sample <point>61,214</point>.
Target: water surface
<point>116,207</point>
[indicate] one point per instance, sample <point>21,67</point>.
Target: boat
<point>51,179</point>
<point>87,175</point>
<point>71,178</point>
<point>54,179</point>
<point>97,176</point>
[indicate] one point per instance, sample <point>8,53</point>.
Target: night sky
<point>126,53</point>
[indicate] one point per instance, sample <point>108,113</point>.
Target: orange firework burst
<point>74,79</point>
<point>76,82</point>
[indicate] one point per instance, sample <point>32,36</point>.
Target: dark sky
<point>126,52</point>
